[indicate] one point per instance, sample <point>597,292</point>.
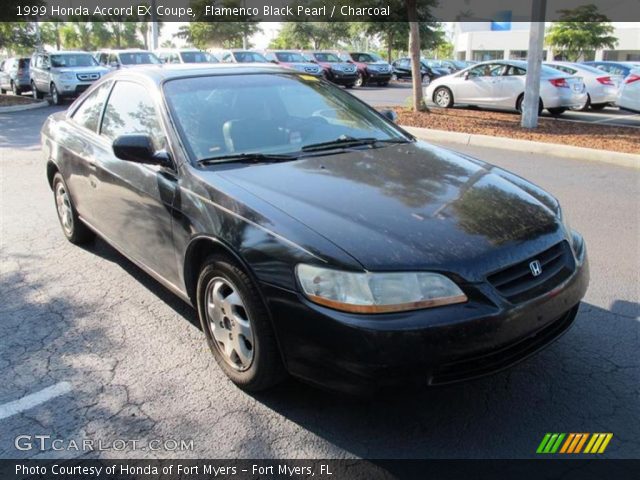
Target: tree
<point>219,31</point>
<point>168,44</point>
<point>17,37</point>
<point>580,30</point>
<point>50,32</point>
<point>414,52</point>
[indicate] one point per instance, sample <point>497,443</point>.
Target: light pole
<point>154,26</point>
<point>534,66</point>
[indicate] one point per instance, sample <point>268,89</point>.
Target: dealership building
<point>481,41</point>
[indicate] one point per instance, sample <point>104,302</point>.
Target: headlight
<point>377,292</point>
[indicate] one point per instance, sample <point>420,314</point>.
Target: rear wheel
<point>556,112</point>
<point>14,88</point>
<point>520,101</point>
<point>584,107</point>
<point>443,97</point>
<point>72,227</point>
<point>34,91</point>
<point>236,325</point>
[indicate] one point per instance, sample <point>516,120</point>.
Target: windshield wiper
<point>247,157</point>
<point>349,142</point>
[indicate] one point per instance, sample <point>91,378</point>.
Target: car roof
<point>160,73</point>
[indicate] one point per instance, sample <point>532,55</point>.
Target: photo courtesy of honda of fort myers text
<point>366,239</point>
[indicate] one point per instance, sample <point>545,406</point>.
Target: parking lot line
<point>34,399</point>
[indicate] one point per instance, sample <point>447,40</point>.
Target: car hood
<point>95,69</point>
<point>412,206</point>
<point>301,65</point>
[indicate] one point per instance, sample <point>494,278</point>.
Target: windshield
<point>74,60</point>
<point>226,115</point>
<point>138,58</point>
<point>290,57</point>
<point>326,57</point>
<point>363,58</point>
<point>197,57</point>
<point>250,57</point>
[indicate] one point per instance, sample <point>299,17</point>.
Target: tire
<point>520,101</point>
<point>54,95</point>
<point>2,91</point>
<point>72,227</point>
<point>394,77</point>
<point>598,106</point>
<point>584,107</point>
<point>35,93</point>
<point>237,326</point>
<point>360,82</point>
<point>14,89</point>
<point>556,112</point>
<point>443,97</point>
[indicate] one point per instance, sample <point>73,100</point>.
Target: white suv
<point>63,74</point>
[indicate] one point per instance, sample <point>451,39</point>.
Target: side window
<point>103,58</point>
<point>88,114</point>
<point>113,59</point>
<point>131,110</point>
<point>175,58</point>
<point>404,63</point>
<point>44,62</point>
<point>515,71</point>
<point>226,57</point>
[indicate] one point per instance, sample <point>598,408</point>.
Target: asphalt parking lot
<point>101,351</point>
<point>399,94</point>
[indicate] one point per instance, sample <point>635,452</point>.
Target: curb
<point>20,108</point>
<point>527,146</point>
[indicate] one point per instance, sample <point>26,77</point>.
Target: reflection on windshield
<point>198,57</point>
<point>138,58</point>
<point>268,114</point>
<point>80,60</point>
<point>327,57</point>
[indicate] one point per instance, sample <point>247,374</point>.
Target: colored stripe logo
<point>574,443</point>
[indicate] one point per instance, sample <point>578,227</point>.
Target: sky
<point>259,41</point>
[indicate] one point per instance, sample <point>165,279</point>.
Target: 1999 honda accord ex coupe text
<point>312,234</point>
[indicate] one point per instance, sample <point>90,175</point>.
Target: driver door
<point>482,86</point>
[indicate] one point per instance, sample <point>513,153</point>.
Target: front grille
<point>310,69</point>
<point>517,282</point>
<point>88,77</point>
<point>81,88</point>
<point>507,356</point>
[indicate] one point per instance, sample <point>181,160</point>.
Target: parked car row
<point>501,84</point>
<point>577,86</point>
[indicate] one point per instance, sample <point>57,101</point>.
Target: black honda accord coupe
<point>313,235</point>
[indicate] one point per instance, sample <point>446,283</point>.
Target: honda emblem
<point>536,268</point>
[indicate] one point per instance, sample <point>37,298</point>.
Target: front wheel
<point>237,326</point>
<point>14,88</point>
<point>72,227</point>
<point>360,80</point>
<point>443,97</point>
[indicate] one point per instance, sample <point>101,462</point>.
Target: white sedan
<point>500,84</point>
<point>629,96</point>
<point>602,88</point>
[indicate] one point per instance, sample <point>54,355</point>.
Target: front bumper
<point>358,353</point>
<point>378,76</point>
<point>73,89</point>
<point>343,78</point>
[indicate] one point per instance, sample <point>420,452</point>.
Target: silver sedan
<point>602,88</point>
<point>500,84</point>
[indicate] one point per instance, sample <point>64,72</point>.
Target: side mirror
<point>138,148</point>
<point>389,115</point>
<point>466,75</point>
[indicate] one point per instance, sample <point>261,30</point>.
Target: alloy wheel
<point>442,97</point>
<point>229,323</point>
<point>63,204</point>
<point>360,80</point>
